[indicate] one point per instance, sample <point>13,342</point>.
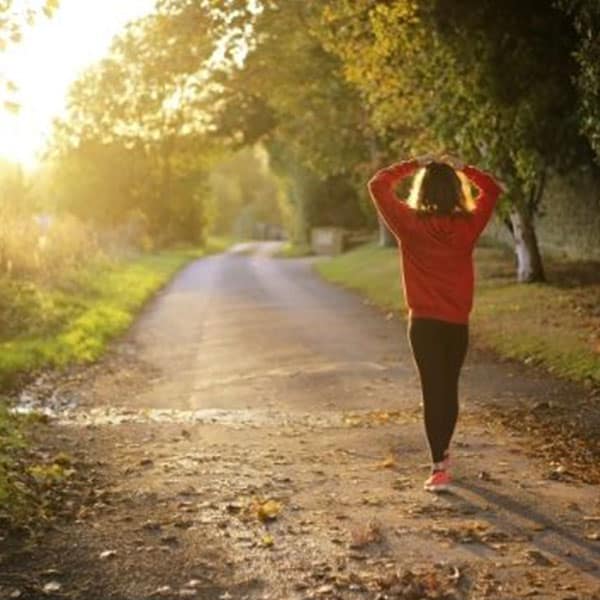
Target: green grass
<point>12,440</point>
<point>216,244</point>
<point>370,270</point>
<point>556,326</point>
<point>292,250</point>
<point>72,321</point>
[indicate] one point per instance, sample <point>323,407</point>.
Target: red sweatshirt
<point>437,250</point>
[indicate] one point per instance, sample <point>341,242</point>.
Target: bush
<point>42,247</point>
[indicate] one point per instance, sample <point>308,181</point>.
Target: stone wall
<point>570,222</point>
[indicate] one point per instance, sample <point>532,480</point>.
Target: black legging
<point>439,349</point>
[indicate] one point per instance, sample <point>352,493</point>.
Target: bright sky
<point>50,57</point>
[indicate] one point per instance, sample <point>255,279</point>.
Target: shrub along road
<point>257,434</point>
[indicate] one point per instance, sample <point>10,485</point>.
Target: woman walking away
<point>437,230</point>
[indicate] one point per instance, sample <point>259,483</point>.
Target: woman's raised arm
<point>381,187</point>
<point>489,190</point>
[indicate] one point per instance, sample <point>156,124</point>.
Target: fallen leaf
<point>388,462</point>
<point>267,511</point>
<point>366,535</point>
<point>51,587</point>
<point>401,483</point>
<point>163,590</point>
<point>193,583</point>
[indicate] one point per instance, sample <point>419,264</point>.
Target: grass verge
<point>12,441</point>
<point>72,321</point>
<point>554,325</point>
<point>292,250</point>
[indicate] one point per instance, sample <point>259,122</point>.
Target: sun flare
<point>50,57</point>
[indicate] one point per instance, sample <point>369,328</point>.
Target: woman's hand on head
<point>425,159</point>
<point>456,163</point>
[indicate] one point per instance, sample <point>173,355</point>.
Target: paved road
<point>260,381</point>
<point>241,331</point>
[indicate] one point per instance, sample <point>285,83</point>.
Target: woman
<point>437,230</point>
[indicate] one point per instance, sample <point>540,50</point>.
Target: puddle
<point>234,418</point>
<point>51,404</point>
<point>65,411</point>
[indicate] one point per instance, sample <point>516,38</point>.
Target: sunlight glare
<point>51,56</point>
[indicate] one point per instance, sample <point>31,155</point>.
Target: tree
<point>289,94</point>
<point>478,77</point>
<point>146,104</point>
<point>586,19</point>
<point>245,193</point>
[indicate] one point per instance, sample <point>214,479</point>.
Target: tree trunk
<point>386,237</point>
<point>529,259</point>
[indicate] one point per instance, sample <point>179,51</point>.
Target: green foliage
<point>311,121</point>
<point>332,90</point>
<point>25,310</point>
<point>244,192</point>
<point>12,441</point>
<point>586,18</point>
<point>135,139</point>
<point>477,77</point>
<point>75,319</point>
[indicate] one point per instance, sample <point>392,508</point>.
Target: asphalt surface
<point>242,330</point>
<point>249,379</point>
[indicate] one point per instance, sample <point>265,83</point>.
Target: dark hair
<point>439,190</point>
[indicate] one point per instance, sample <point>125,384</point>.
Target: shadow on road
<point>560,541</point>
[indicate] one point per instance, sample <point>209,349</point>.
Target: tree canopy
<point>135,138</point>
<point>333,90</point>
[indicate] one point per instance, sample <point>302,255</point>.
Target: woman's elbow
<point>374,184</point>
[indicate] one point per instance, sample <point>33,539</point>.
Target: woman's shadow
<point>554,538</point>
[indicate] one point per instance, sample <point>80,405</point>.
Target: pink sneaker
<point>438,482</point>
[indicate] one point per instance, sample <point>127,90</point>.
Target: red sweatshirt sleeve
<point>394,213</point>
<point>489,190</point>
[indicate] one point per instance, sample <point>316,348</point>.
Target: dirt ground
<point>258,435</point>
